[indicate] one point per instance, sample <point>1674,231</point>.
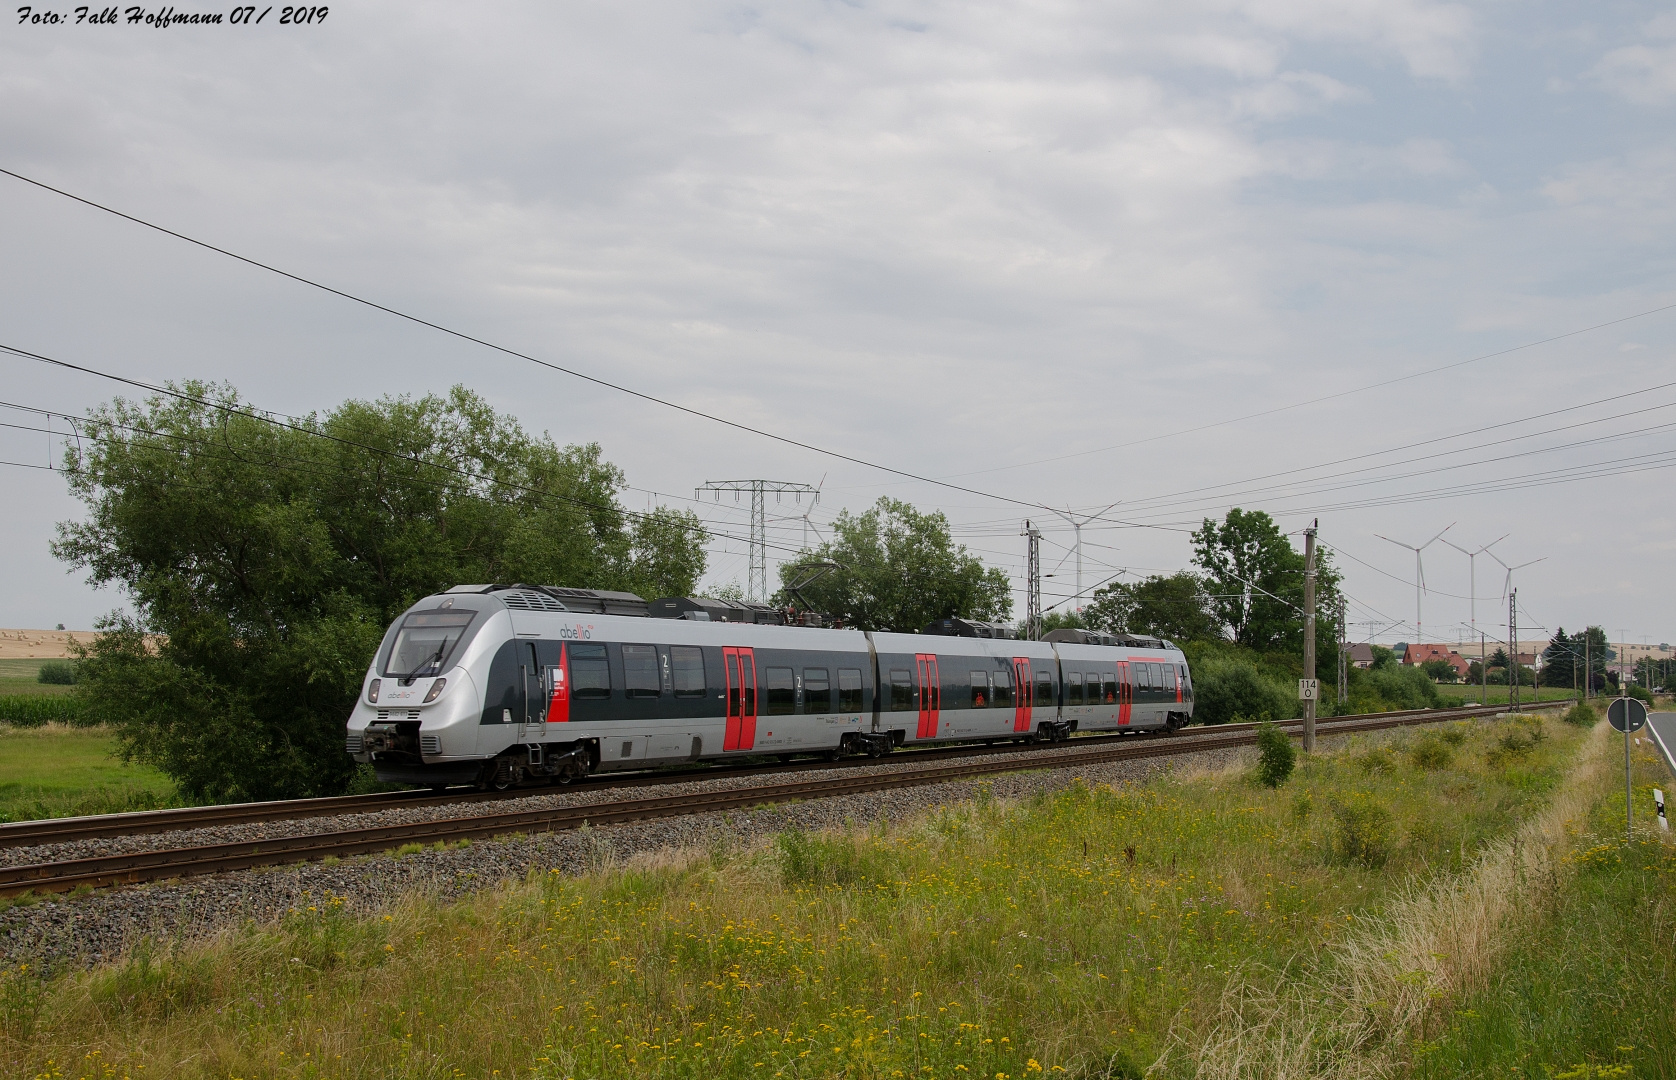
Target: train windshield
<point>424,643</point>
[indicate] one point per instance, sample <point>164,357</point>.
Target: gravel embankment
<point>539,799</point>
<point>88,929</point>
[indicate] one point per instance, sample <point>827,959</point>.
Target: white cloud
<point>1082,224</point>
<point>1644,73</point>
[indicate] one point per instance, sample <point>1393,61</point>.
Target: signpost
<point>1627,714</point>
<point>1309,689</point>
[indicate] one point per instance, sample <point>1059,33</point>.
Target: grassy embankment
<point>51,769</point>
<point>1093,933</point>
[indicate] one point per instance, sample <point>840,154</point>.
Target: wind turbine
<point>1419,574</point>
<point>1507,582</point>
<point>1472,569</point>
<point>1076,526</point>
<point>1506,587</point>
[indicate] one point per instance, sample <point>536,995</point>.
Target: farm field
<point>59,771</point>
<point>1375,906</point>
<point>21,677</point>
<point>1457,693</point>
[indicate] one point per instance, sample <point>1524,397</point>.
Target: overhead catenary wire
<point>269,418</point>
<point>508,351</point>
<point>784,439</point>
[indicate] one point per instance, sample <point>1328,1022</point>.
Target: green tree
<point>1597,652</point>
<point>900,570</point>
<point>1174,606</point>
<point>1561,663</point>
<point>264,561</point>
<point>1439,670</point>
<point>1255,578</point>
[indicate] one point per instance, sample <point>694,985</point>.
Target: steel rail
<point>134,867</point>
<point>134,823</point>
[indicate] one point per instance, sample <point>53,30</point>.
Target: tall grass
<point>1090,933</point>
<point>1362,1005</point>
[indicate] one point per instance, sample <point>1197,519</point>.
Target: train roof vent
<point>597,601</point>
<point>1070,635</point>
<point>530,600</point>
<point>954,627</point>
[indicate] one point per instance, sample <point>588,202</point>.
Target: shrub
<point>57,672</point>
<point>1377,761</point>
<point>1582,715</point>
<point>1430,752</point>
<point>1275,755</point>
<point>1225,687</point>
<point>821,860</point>
<point>1640,693</point>
<point>1405,687</point>
<point>1453,735</point>
<point>1361,832</point>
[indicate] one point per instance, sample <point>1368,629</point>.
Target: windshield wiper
<point>430,665</point>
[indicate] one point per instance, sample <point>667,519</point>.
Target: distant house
<point>1361,656</point>
<point>1418,654</point>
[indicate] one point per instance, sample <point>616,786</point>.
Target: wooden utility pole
<point>1309,633</point>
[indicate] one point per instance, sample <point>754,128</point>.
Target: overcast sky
<point>962,240</point>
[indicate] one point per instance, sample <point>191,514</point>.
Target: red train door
<point>1023,688</point>
<point>1125,693</point>
<point>741,665</point>
<point>930,694</point>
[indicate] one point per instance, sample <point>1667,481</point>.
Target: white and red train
<point>501,685</point>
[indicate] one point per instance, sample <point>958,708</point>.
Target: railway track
<point>216,858</point>
<point>62,830</point>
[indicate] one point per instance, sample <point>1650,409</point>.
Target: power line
<point>270,418</point>
<point>1325,397</point>
<point>506,350</point>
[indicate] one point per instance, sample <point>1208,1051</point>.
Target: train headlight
<point>372,691</point>
<point>436,688</point>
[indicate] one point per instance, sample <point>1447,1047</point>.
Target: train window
<point>590,673</point>
<point>425,641</point>
<point>901,690</point>
<point>1044,689</point>
<point>980,690</point>
<point>782,691</point>
<point>688,662</point>
<point>1158,682</point>
<point>817,691</point>
<point>640,671</point>
<point>1110,696</point>
<point>849,689</point>
<point>1003,698</point>
<point>1073,688</point>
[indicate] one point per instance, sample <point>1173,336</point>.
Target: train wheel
<point>834,754</point>
<point>438,789</point>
